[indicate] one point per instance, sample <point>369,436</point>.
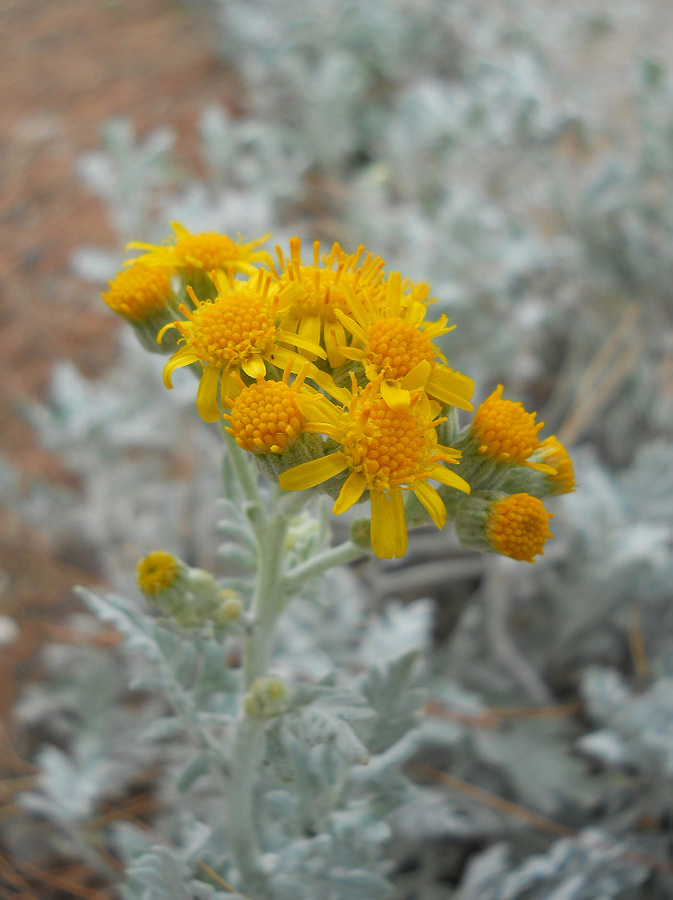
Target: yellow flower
<point>236,332</point>
<point>311,295</point>
<point>518,526</point>
<point>552,452</point>
<point>506,433</point>
<point>157,572</point>
<point>385,451</point>
<point>203,252</point>
<point>139,293</point>
<point>265,417</point>
<point>394,343</point>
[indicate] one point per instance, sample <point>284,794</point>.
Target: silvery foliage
<point>466,143</point>
<point>330,770</point>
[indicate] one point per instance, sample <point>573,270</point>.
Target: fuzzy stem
<point>317,565</point>
<point>246,475</point>
<point>257,650</point>
<point>267,602</point>
<point>240,802</point>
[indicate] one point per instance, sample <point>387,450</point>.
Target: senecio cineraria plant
<point>325,376</point>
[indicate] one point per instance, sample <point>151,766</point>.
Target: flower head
<point>515,525</point>
<point>384,451</point>
<point>312,295</point>
<point>236,332</point>
<point>157,572</point>
<point>202,252</point>
<point>139,293</point>
<point>518,526</point>
<point>552,452</point>
<point>393,342</point>
<point>506,433</point>
<point>265,417</point>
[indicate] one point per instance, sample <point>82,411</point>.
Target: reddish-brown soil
<point>68,66</point>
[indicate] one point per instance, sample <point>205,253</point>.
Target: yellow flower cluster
<point>329,368</point>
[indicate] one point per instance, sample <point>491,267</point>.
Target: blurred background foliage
<point>518,157</point>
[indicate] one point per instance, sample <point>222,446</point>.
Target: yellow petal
<point>389,530</point>
<point>382,536</point>
<point>309,329</point>
<point>418,376</point>
<point>395,397</point>
<point>451,387</point>
<point>335,338</point>
<point>353,353</point>
<point>311,347</point>
<point>351,325</point>
<point>309,474</point>
<point>254,367</point>
<point>431,500</point>
<point>184,357</point>
<point>206,396</point>
<point>449,478</point>
<point>399,521</point>
<point>350,493</point>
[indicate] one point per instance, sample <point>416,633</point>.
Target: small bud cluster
<point>326,370</point>
<point>190,597</point>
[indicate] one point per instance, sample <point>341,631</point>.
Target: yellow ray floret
<point>139,293</point>
<point>506,432</point>
<point>312,294</point>
<point>396,345</point>
<point>203,252</point>
<point>518,526</point>
<point>385,452</point>
<point>235,333</point>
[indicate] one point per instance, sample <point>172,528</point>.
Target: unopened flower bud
<point>230,609</point>
<point>515,525</point>
<point>157,572</point>
<point>266,698</point>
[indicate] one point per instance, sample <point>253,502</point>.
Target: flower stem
<point>317,565</point>
<point>246,476</point>
<point>267,602</point>
<point>257,651</point>
<point>240,802</point>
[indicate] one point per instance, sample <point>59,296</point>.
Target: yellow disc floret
<point>157,572</point>
<point>392,450</point>
<point>518,526</point>
<point>265,417</point>
<point>385,451</point>
<point>394,347</point>
<point>139,293</point>
<point>505,431</point>
<point>391,340</point>
<point>231,328</point>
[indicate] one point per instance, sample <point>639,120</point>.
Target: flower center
<point>518,526</point>
<point>139,292</point>
<point>390,448</point>
<point>265,417</point>
<point>394,347</point>
<point>206,251</point>
<point>505,430</point>
<point>231,328</point>
<point>156,572</point>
